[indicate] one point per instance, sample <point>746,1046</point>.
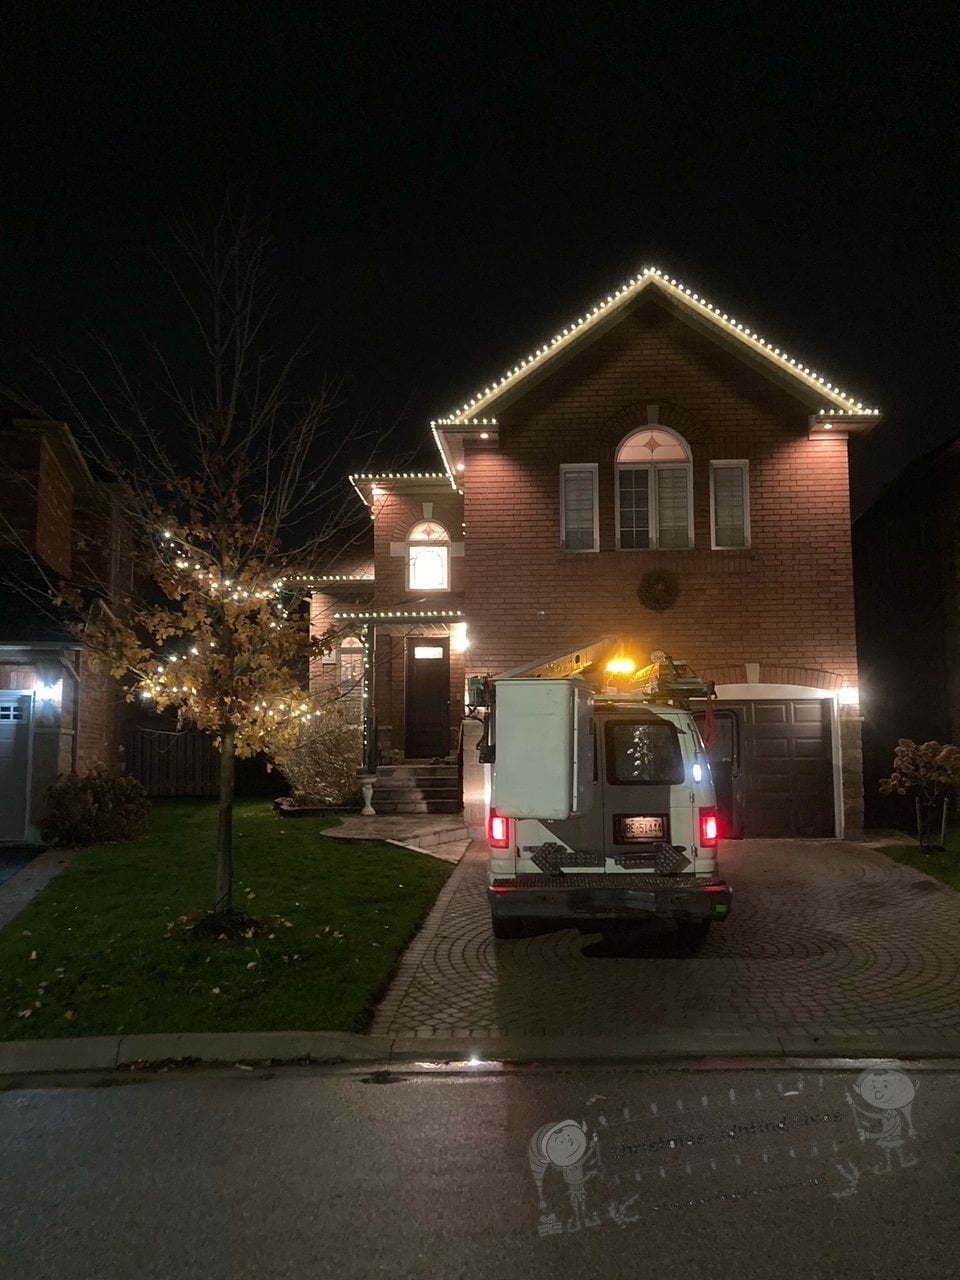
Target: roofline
<point>831,397</point>
<point>402,478</point>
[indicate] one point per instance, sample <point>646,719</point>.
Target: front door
<point>428,697</point>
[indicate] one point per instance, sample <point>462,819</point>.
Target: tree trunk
<point>224,898</point>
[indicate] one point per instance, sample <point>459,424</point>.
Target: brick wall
<point>786,602</point>
<point>54,512</point>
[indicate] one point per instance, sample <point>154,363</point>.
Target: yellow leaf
<point>33,955</point>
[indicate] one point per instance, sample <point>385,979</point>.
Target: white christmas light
<point>690,299</point>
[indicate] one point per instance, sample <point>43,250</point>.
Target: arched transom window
<point>654,491</point>
<point>428,557</point>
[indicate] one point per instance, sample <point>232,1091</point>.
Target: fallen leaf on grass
<point>215,991</point>
<point>252,964</point>
<point>33,955</point>
<point>24,1013</point>
<point>27,933</point>
<point>70,1016</point>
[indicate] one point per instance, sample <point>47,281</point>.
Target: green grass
<point>102,942</point>
<point>942,866</point>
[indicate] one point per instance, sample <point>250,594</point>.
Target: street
<point>483,1171</point>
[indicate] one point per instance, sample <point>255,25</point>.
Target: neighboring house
<point>654,435</point>
<point>56,522</point>
<point>907,575</point>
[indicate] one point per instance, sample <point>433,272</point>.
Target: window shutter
<point>673,508</point>
<point>578,510</point>
<point>729,507</point>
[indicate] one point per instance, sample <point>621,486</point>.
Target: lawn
<point>942,866</point>
<point>103,949</point>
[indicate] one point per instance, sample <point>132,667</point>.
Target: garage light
<point>849,697</point>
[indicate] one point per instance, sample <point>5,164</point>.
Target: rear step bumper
<point>607,897</point>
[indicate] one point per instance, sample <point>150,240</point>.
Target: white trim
<point>654,513</point>
<point>744,465</point>
<point>593,468</point>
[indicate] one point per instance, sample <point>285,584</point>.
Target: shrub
<point>93,808</point>
<point>932,771</point>
<point>321,766</point>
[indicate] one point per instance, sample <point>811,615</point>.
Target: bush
<point>321,766</point>
<point>94,808</point>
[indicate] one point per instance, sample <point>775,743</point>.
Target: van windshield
<point>643,752</point>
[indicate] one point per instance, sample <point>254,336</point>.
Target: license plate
<point>641,828</point>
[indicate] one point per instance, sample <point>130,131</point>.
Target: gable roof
<point>813,389</point>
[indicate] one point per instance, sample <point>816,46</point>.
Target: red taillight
<point>708,827</point>
<point>498,831</point>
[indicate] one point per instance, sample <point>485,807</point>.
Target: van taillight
<point>498,831</point>
<point>708,827</point>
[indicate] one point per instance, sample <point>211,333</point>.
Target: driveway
<point>827,940</point>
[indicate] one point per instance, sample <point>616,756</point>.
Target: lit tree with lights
<point>233,503</point>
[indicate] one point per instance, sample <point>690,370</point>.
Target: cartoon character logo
<point>564,1146</point>
<point>887,1097</point>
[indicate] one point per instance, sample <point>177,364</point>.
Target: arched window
<point>428,557</point>
<point>654,491</point>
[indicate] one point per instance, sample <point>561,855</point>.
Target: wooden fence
<point>173,764</point>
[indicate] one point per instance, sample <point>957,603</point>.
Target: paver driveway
<point>823,935</point>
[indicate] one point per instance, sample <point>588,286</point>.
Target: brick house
<point>57,521</point>
<point>652,436</point>
<point>906,549</point>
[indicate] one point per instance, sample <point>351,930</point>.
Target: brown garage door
<point>786,761</point>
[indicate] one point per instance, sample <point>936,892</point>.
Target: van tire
<point>693,933</point>
<point>507,927</point>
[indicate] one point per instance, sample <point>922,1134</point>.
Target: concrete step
<point>417,771</point>
<point>416,806</point>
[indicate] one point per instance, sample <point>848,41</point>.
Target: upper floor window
<point>729,504</point>
<point>428,557</point>
<point>654,491</point>
<point>579,524</point>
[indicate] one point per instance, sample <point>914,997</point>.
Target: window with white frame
<point>428,557</point>
<point>579,523</point>
<point>654,491</point>
<point>729,504</point>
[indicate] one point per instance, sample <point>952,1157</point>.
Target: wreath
<point>658,590</point>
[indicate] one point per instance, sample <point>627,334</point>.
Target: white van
<point>602,808</point>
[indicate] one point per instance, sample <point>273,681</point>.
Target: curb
<point>107,1053</point>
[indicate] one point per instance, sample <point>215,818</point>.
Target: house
<point>57,522</point>
<point>906,548</point>
<point>655,471</point>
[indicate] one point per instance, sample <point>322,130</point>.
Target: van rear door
<point>645,796</point>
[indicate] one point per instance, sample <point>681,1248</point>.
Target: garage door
<point>14,763</point>
<point>787,767</point>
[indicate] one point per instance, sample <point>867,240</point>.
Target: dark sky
<point>448,182</point>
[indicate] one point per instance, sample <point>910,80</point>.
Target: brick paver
<point>824,935</point>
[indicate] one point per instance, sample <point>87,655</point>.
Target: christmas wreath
<point>658,590</point>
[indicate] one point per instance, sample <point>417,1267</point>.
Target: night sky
<point>448,183</point>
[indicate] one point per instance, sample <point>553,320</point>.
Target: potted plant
<point>930,770</point>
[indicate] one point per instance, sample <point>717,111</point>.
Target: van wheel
<point>506,927</point>
<point>693,933</point>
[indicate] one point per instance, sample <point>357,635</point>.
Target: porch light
<point>49,693</point>
<point>849,696</point>
<point>458,638</point>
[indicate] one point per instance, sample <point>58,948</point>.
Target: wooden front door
<point>428,697</point>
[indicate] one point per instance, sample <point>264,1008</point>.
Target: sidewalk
<point>20,890</point>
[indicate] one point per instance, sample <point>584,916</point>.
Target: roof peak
<point>834,398</point>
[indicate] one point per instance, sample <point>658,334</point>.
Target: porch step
<point>415,787</point>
